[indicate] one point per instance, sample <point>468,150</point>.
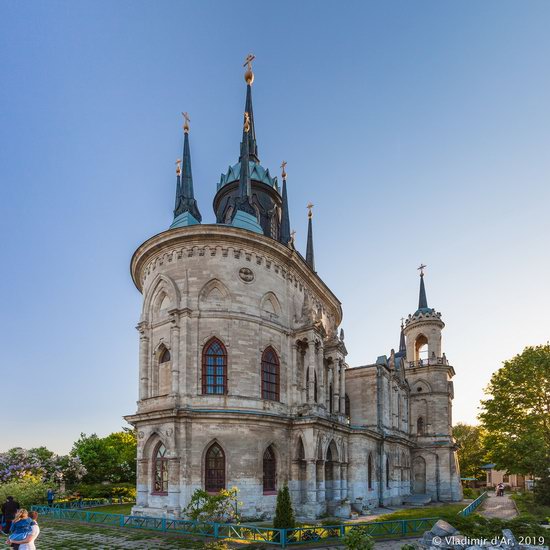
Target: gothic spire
<point>252,146</point>
<point>284,235</point>
<point>310,259</point>
<point>422,300</point>
<point>186,211</point>
<point>402,346</point>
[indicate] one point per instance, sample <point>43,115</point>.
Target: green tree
<point>516,416</point>
<point>284,514</point>
<point>111,458</point>
<point>471,449</point>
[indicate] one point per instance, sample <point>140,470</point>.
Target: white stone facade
<point>251,293</point>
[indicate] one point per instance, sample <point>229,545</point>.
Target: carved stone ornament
<point>246,274</point>
<point>141,435</point>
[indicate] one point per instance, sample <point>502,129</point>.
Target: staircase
<point>417,500</point>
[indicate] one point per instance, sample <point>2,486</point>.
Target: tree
<point>471,449</point>
<point>517,417</point>
<point>111,458</point>
<point>284,514</point>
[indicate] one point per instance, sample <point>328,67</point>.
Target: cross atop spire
<point>421,268</point>
<point>249,78</point>
<point>186,121</point>
<point>249,75</point>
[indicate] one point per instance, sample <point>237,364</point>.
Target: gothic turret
<point>310,257</point>
<point>251,134</point>
<point>186,211</point>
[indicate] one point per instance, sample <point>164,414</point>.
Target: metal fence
<point>244,532</point>
<point>473,505</point>
<point>87,503</point>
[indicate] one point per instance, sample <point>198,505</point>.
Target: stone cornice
<point>201,237</point>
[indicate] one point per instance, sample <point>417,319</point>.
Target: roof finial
<point>285,236</point>
<point>422,300</point>
<point>186,211</point>
<point>310,257</point>
<point>249,75</point>
<point>402,345</point>
<point>186,121</point>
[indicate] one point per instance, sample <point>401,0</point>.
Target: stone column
<point>309,360</point>
<point>143,361</point>
<point>337,480</point>
<point>336,386</point>
<point>143,482</point>
<point>311,481</point>
<point>344,481</point>
<point>342,388</point>
<point>321,374</point>
<point>297,383</point>
<point>175,354</point>
<point>320,480</point>
<point>174,484</point>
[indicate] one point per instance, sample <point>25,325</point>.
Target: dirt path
<point>499,507</point>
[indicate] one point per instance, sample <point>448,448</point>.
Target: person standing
<point>28,542</point>
<point>50,496</point>
<point>9,509</point>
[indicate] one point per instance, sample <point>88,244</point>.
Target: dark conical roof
<point>251,134</point>
<point>402,345</point>
<point>422,300</point>
<point>185,198</point>
<point>284,234</point>
<point>310,257</point>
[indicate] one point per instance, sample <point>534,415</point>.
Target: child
<point>21,526</point>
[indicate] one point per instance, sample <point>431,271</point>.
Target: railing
<point>244,532</point>
<point>429,361</point>
<point>473,505</point>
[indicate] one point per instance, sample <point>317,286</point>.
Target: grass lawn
<point>125,509</point>
<point>526,504</point>
<point>423,512</point>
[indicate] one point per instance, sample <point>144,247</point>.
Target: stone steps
<point>417,500</point>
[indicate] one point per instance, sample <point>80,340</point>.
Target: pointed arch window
<point>270,471</point>
<point>214,368</point>
<point>160,470</point>
<point>214,474</point>
<point>270,375</point>
<point>165,356</point>
<point>369,472</point>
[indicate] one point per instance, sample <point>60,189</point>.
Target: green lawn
<point>423,512</point>
<point>525,503</point>
<point>125,509</point>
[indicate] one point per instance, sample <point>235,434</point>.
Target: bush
<point>284,514</point>
<point>126,491</point>
<point>219,508</point>
<point>215,545</point>
<point>357,538</point>
<point>26,491</point>
<point>470,493</point>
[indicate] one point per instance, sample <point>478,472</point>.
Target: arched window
<point>420,426</point>
<point>348,406</point>
<point>421,348</point>
<point>369,472</point>
<point>270,375</point>
<point>214,368</point>
<point>214,475</point>
<point>330,398</point>
<point>388,472</point>
<point>270,471</point>
<point>165,356</point>
<point>160,470</point>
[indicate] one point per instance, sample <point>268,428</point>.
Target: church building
<point>243,380</point>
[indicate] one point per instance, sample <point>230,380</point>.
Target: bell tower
<point>435,466</point>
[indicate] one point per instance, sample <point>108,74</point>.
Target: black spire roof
<point>284,234</point>
<point>310,257</point>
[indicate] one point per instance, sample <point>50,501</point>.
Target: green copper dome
<point>257,172</point>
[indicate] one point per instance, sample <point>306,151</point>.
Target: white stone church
<point>243,379</point>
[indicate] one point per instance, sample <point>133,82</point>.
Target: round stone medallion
<point>246,274</point>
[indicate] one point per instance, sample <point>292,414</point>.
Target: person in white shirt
<point>28,543</point>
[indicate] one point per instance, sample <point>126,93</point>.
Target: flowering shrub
<point>220,507</point>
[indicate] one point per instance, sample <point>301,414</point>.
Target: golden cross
<point>283,166</point>
<point>246,122</point>
<point>309,207</point>
<point>248,61</point>
<point>186,121</point>
<point>421,269</point>
<point>178,166</point>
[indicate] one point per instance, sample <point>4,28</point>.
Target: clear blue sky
<point>420,130</point>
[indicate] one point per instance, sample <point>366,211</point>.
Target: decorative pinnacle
<point>178,167</point>
<point>421,268</point>
<point>186,121</point>
<point>246,122</point>
<point>292,236</point>
<point>249,75</point>
<point>402,321</point>
<point>310,212</point>
<point>283,166</point>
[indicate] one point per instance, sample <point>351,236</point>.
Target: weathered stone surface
<point>443,529</point>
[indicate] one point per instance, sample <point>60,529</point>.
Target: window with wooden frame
<point>214,368</point>
<point>270,471</point>
<point>214,469</point>
<point>160,470</point>
<point>270,375</point>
